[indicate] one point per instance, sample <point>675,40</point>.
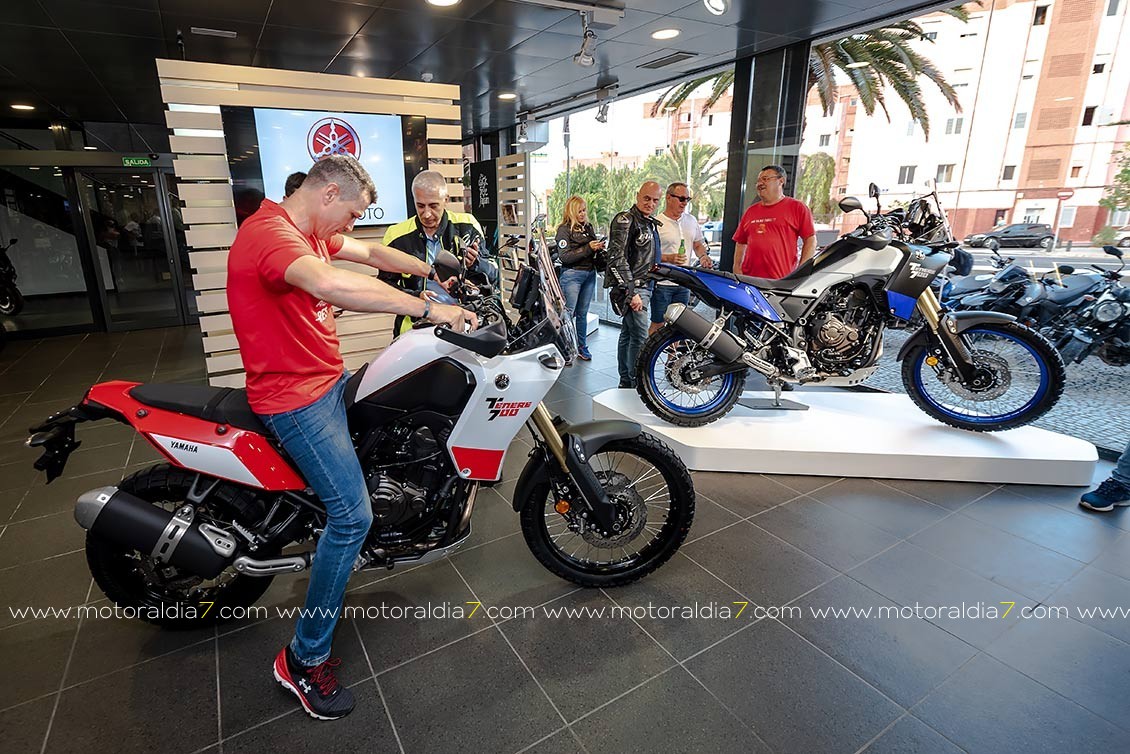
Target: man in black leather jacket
<point>633,247</point>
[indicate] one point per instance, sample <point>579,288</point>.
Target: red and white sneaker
<point>317,688</point>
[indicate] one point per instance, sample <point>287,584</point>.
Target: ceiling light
<point>858,64</point>
<point>716,7</point>
<point>584,57</point>
<point>23,107</point>
<point>508,96</point>
<point>90,147</point>
<point>205,32</point>
<point>666,34</point>
<point>34,168</point>
<point>443,3</point>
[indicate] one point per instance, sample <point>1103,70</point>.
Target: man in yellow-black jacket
<point>435,228</point>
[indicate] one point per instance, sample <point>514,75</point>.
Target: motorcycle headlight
<point>1107,311</point>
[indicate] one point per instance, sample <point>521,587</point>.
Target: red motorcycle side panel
<point>238,454</point>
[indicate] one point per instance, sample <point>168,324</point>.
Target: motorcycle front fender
<point>962,321</point>
<point>593,436</point>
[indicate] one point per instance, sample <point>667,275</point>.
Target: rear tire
<point>538,516</point>
<point>124,575</point>
<point>664,340</point>
<point>11,301</point>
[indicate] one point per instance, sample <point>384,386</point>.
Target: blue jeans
<point>578,287</point>
<point>633,332</point>
<point>665,295</point>
<point>1122,468</point>
<point>317,438</point>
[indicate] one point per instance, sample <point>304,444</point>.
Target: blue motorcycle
<point>823,324</point>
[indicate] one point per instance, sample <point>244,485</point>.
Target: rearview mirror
<point>873,191</point>
<point>851,204</point>
<point>1065,269</point>
<point>1114,251</point>
<point>447,265</point>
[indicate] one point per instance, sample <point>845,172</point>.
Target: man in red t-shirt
<point>281,292</point>
<point>767,235</point>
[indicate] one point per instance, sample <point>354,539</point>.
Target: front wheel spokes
<point>1009,360</point>
<point>643,497</point>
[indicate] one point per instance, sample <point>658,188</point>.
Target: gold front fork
<point>930,308</point>
<point>544,423</point>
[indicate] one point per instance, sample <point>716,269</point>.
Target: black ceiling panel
<point>522,15</point>
<point>331,16</point>
<point>245,11</point>
<point>81,15</point>
<point>93,59</point>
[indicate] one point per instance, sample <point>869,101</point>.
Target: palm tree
<point>707,172</point>
<point>814,187</point>
<point>871,60</point>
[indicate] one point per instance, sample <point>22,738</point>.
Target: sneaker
<point>317,688</point>
<point>584,355</point>
<point>1109,494</point>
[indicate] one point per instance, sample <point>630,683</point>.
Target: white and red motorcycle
<point>431,418</point>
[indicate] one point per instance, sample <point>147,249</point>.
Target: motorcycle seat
<point>223,405</point>
<point>789,283</point>
<point>1072,289</point>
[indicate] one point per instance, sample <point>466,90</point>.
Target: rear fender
<point>956,322</point>
<point>593,435</point>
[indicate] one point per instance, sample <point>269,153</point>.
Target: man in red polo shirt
<point>767,235</point>
<point>281,292</point>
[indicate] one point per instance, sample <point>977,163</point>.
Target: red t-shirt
<point>287,337</point>
<point>770,235</point>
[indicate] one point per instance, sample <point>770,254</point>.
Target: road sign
<point>1066,194</point>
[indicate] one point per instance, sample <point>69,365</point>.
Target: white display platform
<point>592,324</point>
<point>851,434</point>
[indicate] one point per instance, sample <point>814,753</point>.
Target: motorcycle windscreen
<point>739,294</point>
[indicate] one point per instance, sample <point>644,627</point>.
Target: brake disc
<point>631,511</point>
<point>990,363</point>
<point>676,367</point>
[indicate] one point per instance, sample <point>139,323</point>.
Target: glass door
<point>129,224</point>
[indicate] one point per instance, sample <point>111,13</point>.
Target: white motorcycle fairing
<point>507,389</point>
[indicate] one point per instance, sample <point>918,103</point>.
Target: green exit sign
<point>137,162</point>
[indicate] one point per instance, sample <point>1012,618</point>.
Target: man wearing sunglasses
<point>679,236</point>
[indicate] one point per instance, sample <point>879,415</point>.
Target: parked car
<point>1017,234</point>
<point>1122,239</point>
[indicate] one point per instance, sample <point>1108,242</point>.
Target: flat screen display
<point>267,145</point>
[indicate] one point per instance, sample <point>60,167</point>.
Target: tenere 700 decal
<point>499,407</point>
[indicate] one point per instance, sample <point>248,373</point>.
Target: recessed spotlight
<point>23,107</point>
<point>33,167</point>
<point>90,147</point>
<point>666,34</point>
<point>508,96</point>
<point>443,3</point>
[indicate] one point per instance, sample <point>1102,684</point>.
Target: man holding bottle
<point>679,233</point>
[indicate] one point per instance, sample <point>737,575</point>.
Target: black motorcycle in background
<point>11,300</point>
<point>1102,327</point>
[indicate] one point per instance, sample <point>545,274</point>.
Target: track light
<point>602,113</point>
<point>585,57</point>
<point>523,133</point>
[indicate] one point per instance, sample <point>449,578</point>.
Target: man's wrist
<point>427,309</point>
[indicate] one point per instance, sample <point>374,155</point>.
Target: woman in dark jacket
<point>576,244</point>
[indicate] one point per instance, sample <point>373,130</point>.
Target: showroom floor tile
<point>734,645</point>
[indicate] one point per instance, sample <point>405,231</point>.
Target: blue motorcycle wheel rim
<point>1043,384</point>
<point>655,367</point>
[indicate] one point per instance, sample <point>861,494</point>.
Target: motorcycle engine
<point>842,330</point>
<point>408,463</point>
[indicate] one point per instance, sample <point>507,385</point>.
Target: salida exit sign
<point>137,162</point>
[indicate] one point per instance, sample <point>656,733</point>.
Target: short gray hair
<point>780,171</point>
<point>346,172</point>
<point>672,186</point>
<point>430,180</point>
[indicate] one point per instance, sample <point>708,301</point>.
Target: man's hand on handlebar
<point>471,254</point>
<point>454,317</point>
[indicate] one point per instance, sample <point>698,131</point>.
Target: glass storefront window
<point>43,282</point>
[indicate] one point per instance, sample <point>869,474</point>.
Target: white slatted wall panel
<point>204,183</point>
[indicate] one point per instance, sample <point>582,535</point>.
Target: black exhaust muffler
<point>172,537</point>
<point>706,333</point>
